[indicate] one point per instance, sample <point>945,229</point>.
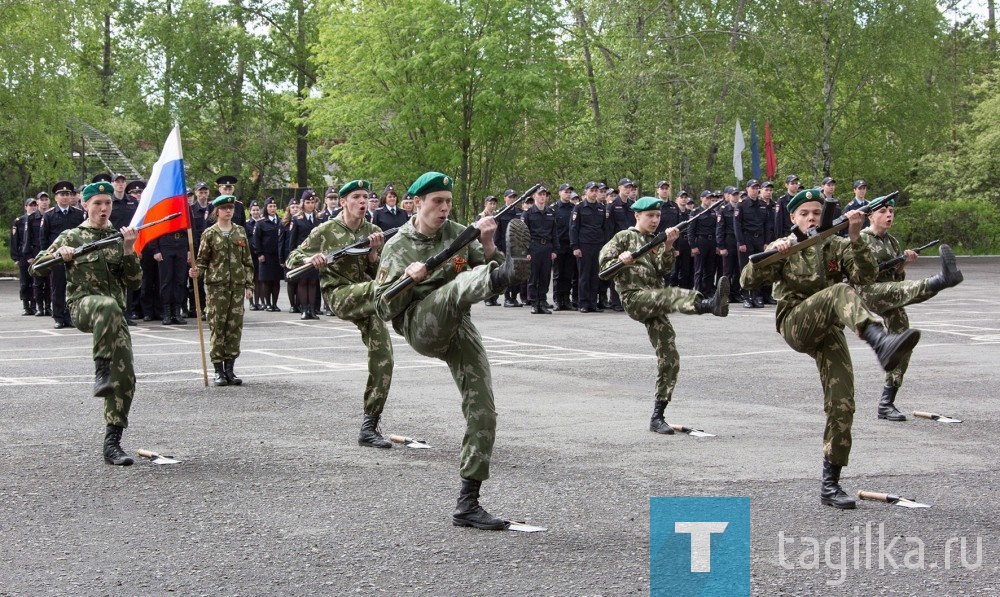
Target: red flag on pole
<point>771,161</point>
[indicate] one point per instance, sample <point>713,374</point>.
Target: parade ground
<point>273,496</point>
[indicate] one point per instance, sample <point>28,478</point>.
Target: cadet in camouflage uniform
<point>891,292</point>
<point>224,256</point>
<point>348,286</point>
<point>814,306</point>
<point>647,299</point>
<point>433,316</point>
<point>96,285</point>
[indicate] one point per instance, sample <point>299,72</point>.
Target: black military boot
<point>887,405</point>
<point>168,314</point>
<point>103,387</point>
<point>40,309</point>
<point>28,308</point>
<point>227,368</point>
<point>178,318</point>
<point>562,303</point>
<point>220,378</point>
<point>370,435</point>
<point>717,305</point>
<point>468,512</point>
<point>656,423</point>
<point>48,308</point>
<point>113,453</point>
<point>830,492</point>
<point>949,276</point>
<point>890,349</point>
<point>516,268</point>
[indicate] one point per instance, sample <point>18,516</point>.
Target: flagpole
<point>197,311</point>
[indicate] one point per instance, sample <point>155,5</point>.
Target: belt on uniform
<point>756,234</point>
<point>704,236</point>
<point>542,241</point>
<point>178,234</point>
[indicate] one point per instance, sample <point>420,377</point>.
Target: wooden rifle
<point>90,247</point>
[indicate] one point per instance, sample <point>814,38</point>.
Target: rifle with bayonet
<point>42,266</point>
<point>819,233</point>
<point>468,235</point>
<point>660,238</point>
<point>359,248</point>
<point>895,261</point>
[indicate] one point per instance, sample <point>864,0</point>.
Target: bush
<point>971,227</point>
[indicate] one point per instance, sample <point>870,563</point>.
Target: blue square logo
<point>699,546</point>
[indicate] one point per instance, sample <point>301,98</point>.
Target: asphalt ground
<point>274,496</point>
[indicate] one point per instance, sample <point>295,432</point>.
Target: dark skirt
<point>270,270</point>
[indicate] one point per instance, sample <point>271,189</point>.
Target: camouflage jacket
<point>225,260</point>
<point>409,246</point>
<point>883,249</point>
<point>805,273</point>
<point>649,271</point>
<point>107,271</point>
<point>331,236</point>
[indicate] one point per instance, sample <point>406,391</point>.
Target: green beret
<point>805,196</point>
<point>355,185</point>
<point>224,200</point>
<point>430,182</point>
<point>97,188</point>
<point>647,204</point>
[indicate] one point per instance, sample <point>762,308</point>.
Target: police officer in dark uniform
<point>122,210</point>
<point>753,226</point>
<point>829,186</point>
<point>256,304</point>
<point>701,239</point>
<point>331,206</point>
<point>299,229</point>
<point>283,251</point>
<point>19,254</point>
<point>782,219</point>
<point>390,215</point>
<point>227,186</point>
<point>587,234</point>
<point>200,210</point>
<point>859,201</point>
<point>621,218</point>
<point>541,223</point>
<point>42,285</point>
<point>564,268</point>
<point>725,240</point>
<point>61,217</point>
<point>681,276</point>
<point>766,197</point>
<point>500,240</point>
<point>170,252</point>
<point>266,236</point>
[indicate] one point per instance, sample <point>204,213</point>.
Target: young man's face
<point>663,192</point>
<point>63,198</point>
<point>31,208</point>
<point>201,195</point>
<point>647,221</point>
<point>860,192</point>
<point>807,215</point>
<point>753,191</point>
<point>733,198</point>
<point>43,203</point>
<point>766,193</point>
<point>883,218</point>
<point>119,184</point>
<point>508,199</point>
<point>355,203</point>
<point>541,198</point>
<point>591,194</point>
<point>829,188</point>
<point>433,209</point>
<point>565,194</point>
<point>792,187</point>
<point>99,210</point>
<point>226,189</point>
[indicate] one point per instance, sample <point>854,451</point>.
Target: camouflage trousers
<point>439,326</point>
<point>650,307</point>
<point>101,316</point>
<point>354,303</point>
<point>888,299</point>
<point>816,327</point>
<point>224,314</point>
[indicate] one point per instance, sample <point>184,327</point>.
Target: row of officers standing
<point>566,239</point>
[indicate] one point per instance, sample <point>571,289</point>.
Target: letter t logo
<point>701,542</point>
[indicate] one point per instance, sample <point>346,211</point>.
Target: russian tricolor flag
<point>165,194</point>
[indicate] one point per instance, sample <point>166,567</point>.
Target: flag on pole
<point>772,162</point>
<point>165,193</point>
<point>739,144</point>
<point>754,152</point>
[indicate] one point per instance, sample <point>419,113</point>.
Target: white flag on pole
<point>738,146</point>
